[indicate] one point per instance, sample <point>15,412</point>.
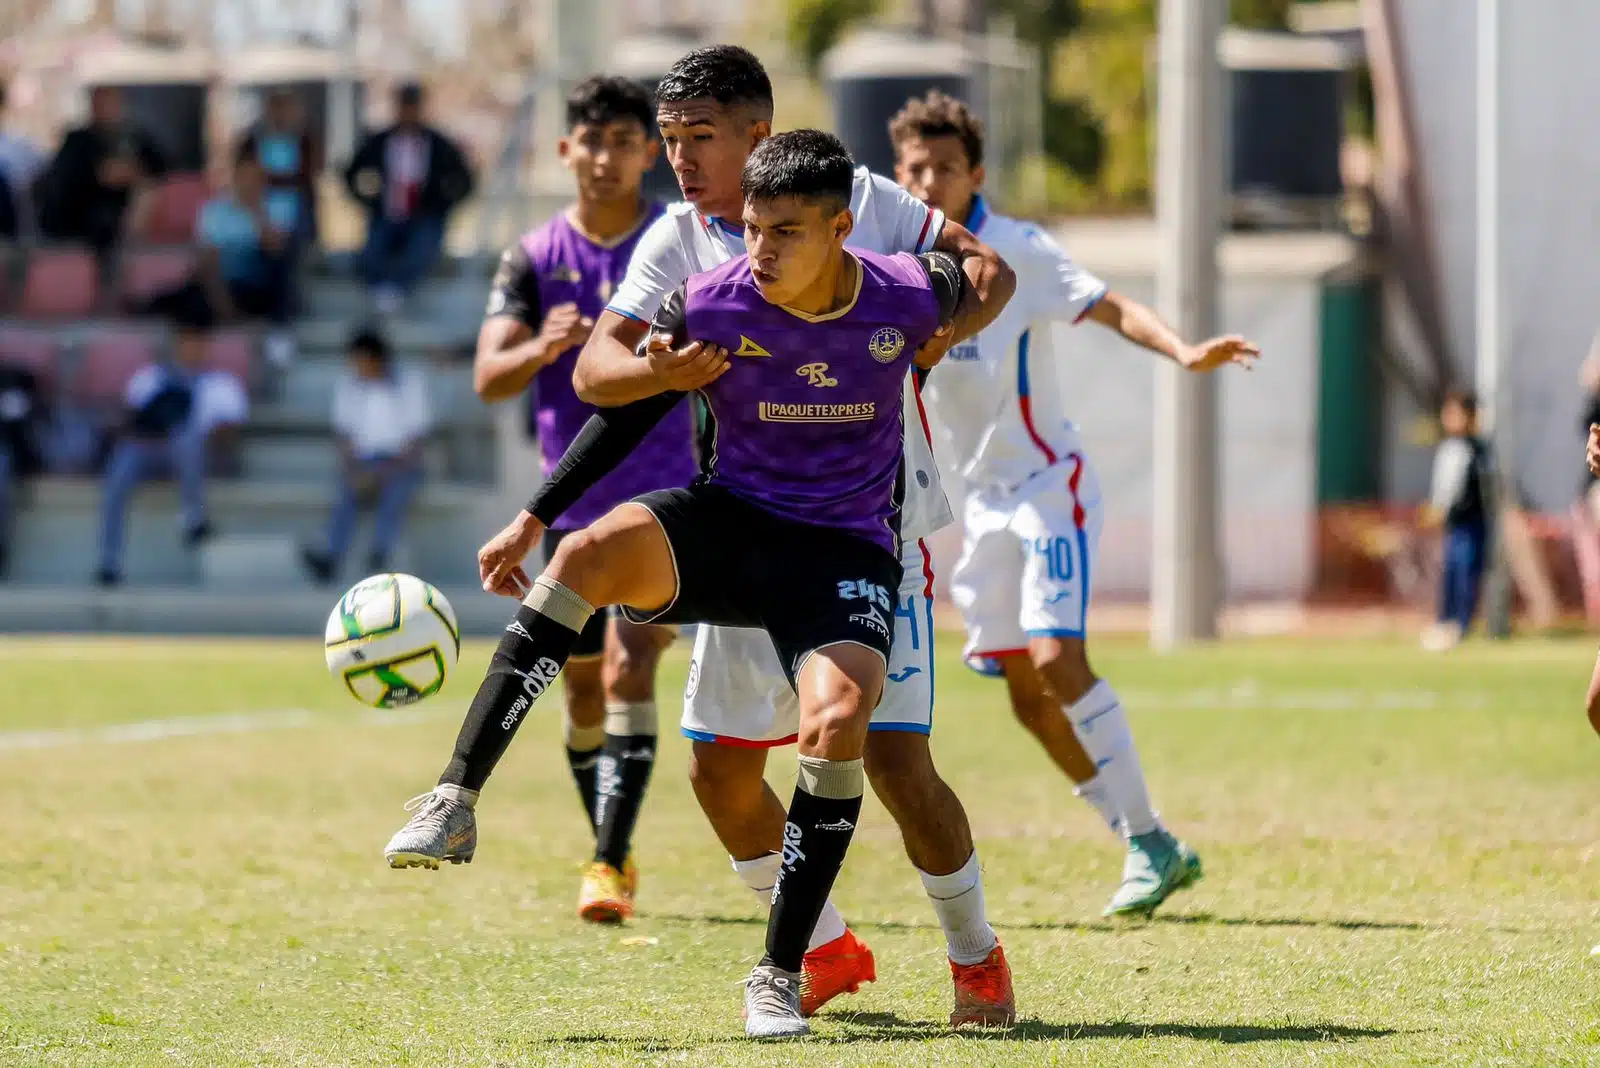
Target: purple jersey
<point>808,421</point>
<point>559,264</point>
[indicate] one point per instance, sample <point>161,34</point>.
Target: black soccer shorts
<point>739,565</point>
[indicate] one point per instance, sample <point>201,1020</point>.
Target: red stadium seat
<point>61,283</point>
<point>176,208</point>
<point>234,352</point>
<point>109,361</point>
<point>31,349</point>
<point>151,272</point>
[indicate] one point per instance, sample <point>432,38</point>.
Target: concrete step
<point>252,562</point>
<point>56,535</point>
<point>300,613</point>
<point>455,300</point>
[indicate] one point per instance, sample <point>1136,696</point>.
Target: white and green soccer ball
<point>392,640</point>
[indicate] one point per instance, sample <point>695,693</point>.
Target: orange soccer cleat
<point>604,896</point>
<point>983,992</point>
<point>838,967</point>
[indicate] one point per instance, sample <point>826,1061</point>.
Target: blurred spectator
<point>100,168</point>
<point>21,454</point>
<point>291,159</point>
<point>1591,417</point>
<point>1459,503</point>
<point>248,255</point>
<point>247,262</point>
<point>20,163</point>
<point>381,417</point>
<point>172,414</point>
<point>409,178</point>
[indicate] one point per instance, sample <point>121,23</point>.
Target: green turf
<point>1400,854</point>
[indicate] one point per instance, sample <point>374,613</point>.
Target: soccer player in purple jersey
<point>714,106</point>
<point>550,286</point>
<point>792,528</point>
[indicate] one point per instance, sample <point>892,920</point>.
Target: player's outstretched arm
<point>993,280</point>
<point>609,436</point>
<point>1144,327</point>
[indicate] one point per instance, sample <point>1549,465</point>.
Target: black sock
<point>625,766</point>
<point>532,652</point>
<point>815,838</point>
<point>584,763</point>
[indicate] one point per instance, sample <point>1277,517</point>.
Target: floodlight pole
<point>1493,394</point>
<point>1185,581</point>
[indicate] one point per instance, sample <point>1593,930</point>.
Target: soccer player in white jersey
<point>1032,503</point>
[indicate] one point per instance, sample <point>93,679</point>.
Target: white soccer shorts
<point>1027,557</point>
<point>737,693</point>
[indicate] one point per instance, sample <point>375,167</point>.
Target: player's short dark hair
<point>368,342</point>
<point>606,99</point>
<point>1465,399</point>
<point>939,115</point>
<point>800,163</point>
<point>728,74</point>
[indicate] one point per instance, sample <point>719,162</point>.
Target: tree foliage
<point>814,26</point>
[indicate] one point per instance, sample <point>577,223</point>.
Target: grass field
<point>1401,859</point>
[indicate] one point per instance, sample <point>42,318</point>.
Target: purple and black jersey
<point>559,264</point>
<point>808,421</point>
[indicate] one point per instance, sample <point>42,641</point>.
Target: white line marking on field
<point>156,730</point>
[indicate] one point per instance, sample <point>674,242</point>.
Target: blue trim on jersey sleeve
<point>906,728</point>
<point>1087,308</point>
<point>625,314</point>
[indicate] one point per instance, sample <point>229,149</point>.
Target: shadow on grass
<point>1190,919</point>
<point>891,1027</point>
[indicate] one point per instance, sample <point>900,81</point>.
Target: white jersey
<point>683,243</point>
<point>994,401</point>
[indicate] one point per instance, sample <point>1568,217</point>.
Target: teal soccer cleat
<point>1158,866</point>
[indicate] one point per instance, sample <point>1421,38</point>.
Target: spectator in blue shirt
<point>170,413</point>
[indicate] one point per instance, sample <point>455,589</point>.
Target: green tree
<point>814,26</point>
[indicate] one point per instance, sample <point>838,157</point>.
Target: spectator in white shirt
<point>21,161</point>
<point>409,178</point>
<point>381,418</point>
<point>173,412</point>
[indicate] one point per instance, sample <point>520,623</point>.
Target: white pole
<point>1185,583</point>
<point>1494,403</point>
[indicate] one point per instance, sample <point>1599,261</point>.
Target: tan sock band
<point>631,717</point>
<point>839,780</point>
<point>554,601</point>
<point>583,739</point>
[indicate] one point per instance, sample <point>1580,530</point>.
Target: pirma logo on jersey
<point>887,344</point>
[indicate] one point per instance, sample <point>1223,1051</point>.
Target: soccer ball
<point>392,640</point>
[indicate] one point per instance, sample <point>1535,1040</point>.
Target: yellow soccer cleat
<point>604,897</point>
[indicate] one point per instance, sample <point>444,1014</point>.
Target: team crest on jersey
<point>816,374</point>
<point>564,273</point>
<point>887,344</point>
<point>749,348</point>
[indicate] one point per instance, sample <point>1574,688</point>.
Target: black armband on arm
<point>948,280</point>
<point>609,436</point>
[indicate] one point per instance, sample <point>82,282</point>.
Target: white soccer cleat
<point>772,1004</point>
<point>441,828</point>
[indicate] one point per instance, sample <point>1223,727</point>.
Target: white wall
<point>1550,229</point>
<point>1271,293</point>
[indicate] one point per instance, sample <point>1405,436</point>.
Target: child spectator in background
<point>1459,505</point>
<point>381,418</point>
